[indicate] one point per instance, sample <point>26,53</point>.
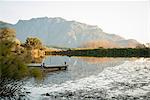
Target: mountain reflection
<point>94,60</point>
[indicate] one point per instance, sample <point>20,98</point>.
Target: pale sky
<point>129,19</point>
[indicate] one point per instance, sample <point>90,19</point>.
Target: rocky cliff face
<point>60,32</point>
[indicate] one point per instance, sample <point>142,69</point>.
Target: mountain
<point>60,32</point>
<point>4,24</point>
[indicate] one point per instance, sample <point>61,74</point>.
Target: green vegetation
<point>7,33</point>
<point>35,72</point>
<point>103,52</point>
<point>33,43</point>
<point>13,69</point>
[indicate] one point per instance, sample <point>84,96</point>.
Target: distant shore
<point>103,52</point>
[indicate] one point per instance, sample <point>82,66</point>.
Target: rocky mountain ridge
<point>60,32</point>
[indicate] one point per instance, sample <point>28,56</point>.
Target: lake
<point>92,78</point>
<point>79,67</point>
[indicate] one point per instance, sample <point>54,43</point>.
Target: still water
<point>91,78</point>
<point>79,67</point>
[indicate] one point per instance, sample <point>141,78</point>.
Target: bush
<point>33,43</point>
<point>35,72</point>
<point>13,69</point>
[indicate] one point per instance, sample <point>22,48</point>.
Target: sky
<point>129,19</point>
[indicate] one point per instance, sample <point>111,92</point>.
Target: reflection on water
<point>95,78</point>
<point>79,67</point>
<point>94,60</point>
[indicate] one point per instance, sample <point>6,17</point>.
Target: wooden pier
<point>49,68</point>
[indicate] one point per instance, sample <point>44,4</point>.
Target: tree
<point>7,33</point>
<point>33,43</point>
<point>140,46</point>
<point>13,69</point>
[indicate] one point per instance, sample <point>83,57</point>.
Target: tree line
<point>105,52</point>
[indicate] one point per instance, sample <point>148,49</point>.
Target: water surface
<point>79,67</point>
<point>95,78</point>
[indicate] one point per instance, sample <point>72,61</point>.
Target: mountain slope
<point>4,24</point>
<point>60,32</point>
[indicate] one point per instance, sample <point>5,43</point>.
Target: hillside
<point>60,32</point>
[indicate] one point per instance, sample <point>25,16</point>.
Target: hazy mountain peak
<point>43,19</point>
<point>61,32</point>
<point>58,19</point>
<point>84,26</point>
